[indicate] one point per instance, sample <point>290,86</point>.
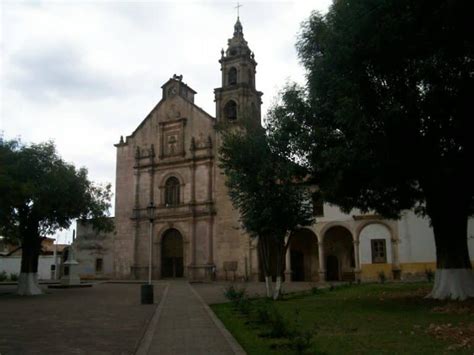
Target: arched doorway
<point>172,254</point>
<point>304,256</point>
<point>339,254</point>
<point>332,268</point>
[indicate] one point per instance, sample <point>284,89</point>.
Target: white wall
<point>417,239</point>
<point>333,213</point>
<point>470,237</point>
<point>374,231</point>
<point>12,264</point>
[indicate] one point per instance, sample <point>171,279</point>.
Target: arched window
<point>172,192</point>
<point>249,74</point>
<point>232,76</point>
<point>230,110</point>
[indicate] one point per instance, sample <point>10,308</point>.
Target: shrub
<point>238,298</point>
<point>279,326</point>
<point>243,305</point>
<point>301,340</point>
<point>262,313</point>
<point>13,277</point>
<point>3,276</point>
<point>233,294</point>
<point>429,275</point>
<point>314,290</point>
<point>382,277</point>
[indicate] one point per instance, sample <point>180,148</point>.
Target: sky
<point>83,73</point>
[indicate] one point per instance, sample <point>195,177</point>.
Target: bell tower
<point>237,98</point>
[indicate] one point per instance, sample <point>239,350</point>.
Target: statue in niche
<point>172,144</point>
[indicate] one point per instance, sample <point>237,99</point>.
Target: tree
<point>384,121</point>
<point>40,194</point>
<point>261,183</point>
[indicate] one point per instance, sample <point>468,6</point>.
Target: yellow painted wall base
<point>370,272</point>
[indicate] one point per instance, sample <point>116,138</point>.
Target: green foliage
<point>262,312</point>
<point>314,289</point>
<point>13,277</point>
<point>385,116</point>
<point>356,320</point>
<point>41,193</point>
<point>279,325</point>
<point>3,276</point>
<point>234,294</point>
<point>261,182</point>
<point>301,339</point>
<point>239,298</point>
<point>265,186</point>
<point>384,121</point>
<point>429,275</point>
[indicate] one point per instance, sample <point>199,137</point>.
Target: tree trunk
<point>263,250</point>
<point>280,257</point>
<point>28,279</point>
<point>454,278</point>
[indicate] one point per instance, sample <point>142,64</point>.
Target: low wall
<point>12,264</point>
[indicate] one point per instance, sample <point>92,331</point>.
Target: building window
<point>379,251</point>
<point>99,264</point>
<point>232,76</point>
<point>318,205</point>
<point>230,110</point>
<point>172,192</point>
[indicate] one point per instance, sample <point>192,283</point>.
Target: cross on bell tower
<point>238,7</point>
<point>237,98</point>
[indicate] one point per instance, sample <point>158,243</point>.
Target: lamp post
<point>147,289</point>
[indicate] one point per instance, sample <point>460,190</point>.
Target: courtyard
<point>109,319</point>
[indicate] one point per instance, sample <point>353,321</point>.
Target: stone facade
<point>168,167</point>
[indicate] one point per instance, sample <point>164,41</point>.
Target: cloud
<point>51,72</point>
<point>83,73</point>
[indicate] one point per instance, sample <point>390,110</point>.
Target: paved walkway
<point>184,324</point>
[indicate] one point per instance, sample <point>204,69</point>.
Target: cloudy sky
<point>82,73</point>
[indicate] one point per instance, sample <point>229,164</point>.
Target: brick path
<point>103,319</point>
<point>185,325</point>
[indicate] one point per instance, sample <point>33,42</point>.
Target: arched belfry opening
<point>230,110</point>
<point>172,263</point>
<point>232,76</point>
<point>238,90</point>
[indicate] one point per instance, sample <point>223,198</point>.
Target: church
<point>173,216</point>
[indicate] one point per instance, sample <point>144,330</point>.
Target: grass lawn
<point>393,318</point>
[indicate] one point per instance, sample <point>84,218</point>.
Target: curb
<point>145,342</point>
<point>235,346</point>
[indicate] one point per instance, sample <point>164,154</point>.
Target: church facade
<point>169,185</point>
<point>172,206</point>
